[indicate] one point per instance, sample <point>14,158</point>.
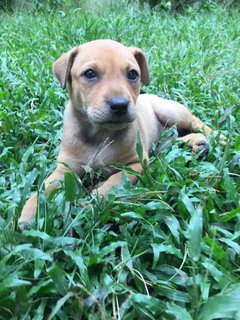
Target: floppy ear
<point>142,62</point>
<point>62,66</point>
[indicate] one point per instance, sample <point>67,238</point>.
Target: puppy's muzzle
<point>118,106</point>
<point>115,114</point>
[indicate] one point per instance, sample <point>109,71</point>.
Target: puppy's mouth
<point>114,125</point>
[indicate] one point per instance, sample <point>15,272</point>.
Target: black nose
<point>118,105</point>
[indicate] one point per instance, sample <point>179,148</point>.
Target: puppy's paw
<point>24,222</point>
<point>200,145</point>
<point>28,213</point>
<point>23,225</point>
<point>197,142</point>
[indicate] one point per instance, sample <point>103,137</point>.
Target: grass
<point>171,250</point>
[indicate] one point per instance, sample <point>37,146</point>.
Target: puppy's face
<point>104,81</point>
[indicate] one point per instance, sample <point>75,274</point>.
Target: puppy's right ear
<point>62,66</point>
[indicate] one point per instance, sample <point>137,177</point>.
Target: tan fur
<point>88,136</point>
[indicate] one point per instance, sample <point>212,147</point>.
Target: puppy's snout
<point>118,105</point>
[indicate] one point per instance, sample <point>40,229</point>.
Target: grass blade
<point>195,234</point>
<point>221,306</point>
<point>59,305</point>
<point>70,186</point>
<point>178,312</point>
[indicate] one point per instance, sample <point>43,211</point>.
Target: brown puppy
<point>103,79</point>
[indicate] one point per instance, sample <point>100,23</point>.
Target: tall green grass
<point>167,248</point>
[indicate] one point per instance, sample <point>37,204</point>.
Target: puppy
<point>105,104</point>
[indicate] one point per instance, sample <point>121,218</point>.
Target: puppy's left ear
<point>142,62</point>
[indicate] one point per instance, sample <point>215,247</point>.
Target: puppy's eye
<point>90,74</point>
<point>132,75</point>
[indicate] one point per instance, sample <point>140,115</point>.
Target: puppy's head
<point>103,78</point>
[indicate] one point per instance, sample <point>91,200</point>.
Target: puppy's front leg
<point>115,179</point>
<point>30,208</point>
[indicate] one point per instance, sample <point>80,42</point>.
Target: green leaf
<point>172,293</point>
<point>77,258</point>
<point>70,186</point>
<point>195,234</point>
<point>171,221</point>
<point>230,187</point>
<point>40,285</point>
<point>178,312</point>
<point>139,147</point>
<point>59,305</point>
<point>59,279</point>
<point>205,287</point>
<point>35,253</point>
<point>186,202</point>
<point>126,258</point>
<point>15,250</point>
<point>227,216</point>
<point>36,234</point>
<point>221,275</point>
<point>38,267</point>
<point>151,304</point>
<point>157,249</point>
<point>111,248</point>
<point>132,215</point>
<point>232,244</point>
<point>216,251</point>
<point>225,305</point>
<point>13,281</point>
<point>40,311</point>
<point>65,241</point>
<point>157,205</point>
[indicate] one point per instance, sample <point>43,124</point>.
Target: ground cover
<point>171,250</point>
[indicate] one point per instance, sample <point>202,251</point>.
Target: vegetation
<point>167,248</point>
<point>169,5</point>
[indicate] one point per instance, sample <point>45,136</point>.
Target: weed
<point>167,248</point>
